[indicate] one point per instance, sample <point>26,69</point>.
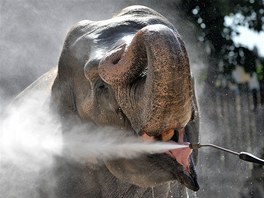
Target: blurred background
<point>225,42</point>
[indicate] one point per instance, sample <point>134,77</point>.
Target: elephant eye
<point>101,86</point>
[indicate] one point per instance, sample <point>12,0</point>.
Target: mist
<point>31,135</point>
<point>31,139</point>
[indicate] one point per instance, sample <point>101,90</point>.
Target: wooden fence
<point>240,122</point>
<point>236,125</point>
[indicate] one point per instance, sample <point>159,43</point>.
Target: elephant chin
<point>156,169</point>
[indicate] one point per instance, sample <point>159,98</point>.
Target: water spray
<point>242,155</point>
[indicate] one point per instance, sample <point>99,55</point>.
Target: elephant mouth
<point>179,160</point>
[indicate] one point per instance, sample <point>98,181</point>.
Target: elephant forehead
<point>105,33</point>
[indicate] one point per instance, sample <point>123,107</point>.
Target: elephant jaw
<point>182,155</point>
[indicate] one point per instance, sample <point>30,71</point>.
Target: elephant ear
<point>63,96</point>
<point>62,89</point>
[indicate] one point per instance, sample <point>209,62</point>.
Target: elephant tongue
<point>180,154</point>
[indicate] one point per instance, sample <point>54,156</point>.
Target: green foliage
<point>209,17</point>
<point>260,71</point>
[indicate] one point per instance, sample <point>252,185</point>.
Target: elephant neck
<point>113,187</point>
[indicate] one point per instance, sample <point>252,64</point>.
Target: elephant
<point>132,73</point>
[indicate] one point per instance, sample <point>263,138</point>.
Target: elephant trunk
<point>155,65</point>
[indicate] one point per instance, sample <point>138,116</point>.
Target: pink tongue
<point>182,154</point>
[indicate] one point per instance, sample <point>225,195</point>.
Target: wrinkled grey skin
<point>102,79</point>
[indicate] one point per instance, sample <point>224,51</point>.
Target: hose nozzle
<point>242,155</point>
<point>194,146</point>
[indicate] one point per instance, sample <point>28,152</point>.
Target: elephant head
<point>132,72</point>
